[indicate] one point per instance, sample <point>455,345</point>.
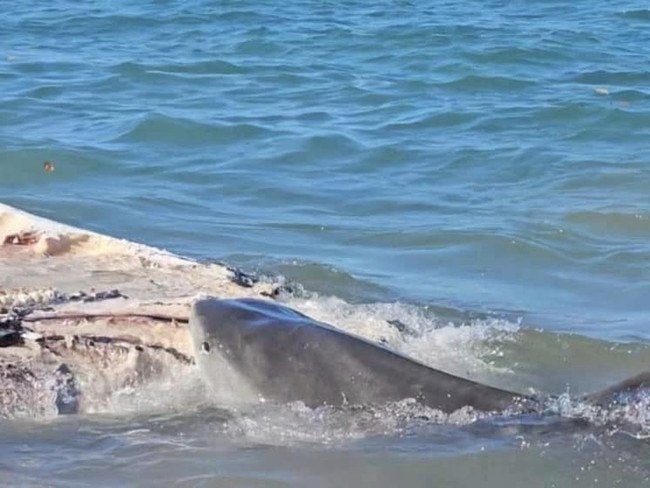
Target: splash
<point>174,388</point>
<point>467,349</point>
<point>296,423</point>
<point>628,414</point>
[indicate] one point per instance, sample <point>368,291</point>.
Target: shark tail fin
<point>620,392</point>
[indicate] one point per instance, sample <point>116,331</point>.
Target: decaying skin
<point>59,357</point>
<point>62,350</point>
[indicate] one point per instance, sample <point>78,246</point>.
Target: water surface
<point>483,161</point>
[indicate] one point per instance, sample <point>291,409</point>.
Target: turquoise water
<point>490,157</point>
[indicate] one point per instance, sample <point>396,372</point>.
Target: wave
<point>174,130</point>
<point>211,68</point>
<point>641,14</point>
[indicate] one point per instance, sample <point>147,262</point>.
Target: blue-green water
<point>487,156</point>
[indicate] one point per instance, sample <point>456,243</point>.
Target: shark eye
<point>205,347</point>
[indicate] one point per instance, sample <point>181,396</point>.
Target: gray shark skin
<point>286,356</point>
<point>620,393</point>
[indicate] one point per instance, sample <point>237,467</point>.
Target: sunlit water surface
<point>471,163</point>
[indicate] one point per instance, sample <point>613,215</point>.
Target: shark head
<point>222,350</point>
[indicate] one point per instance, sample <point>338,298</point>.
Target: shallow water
<point>476,163</point>
<point>196,450</point>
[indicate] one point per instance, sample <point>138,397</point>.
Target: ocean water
<point>472,163</point>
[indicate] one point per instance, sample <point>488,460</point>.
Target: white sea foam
<point>465,349</point>
<point>630,415</point>
<point>174,388</point>
<point>295,423</point>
